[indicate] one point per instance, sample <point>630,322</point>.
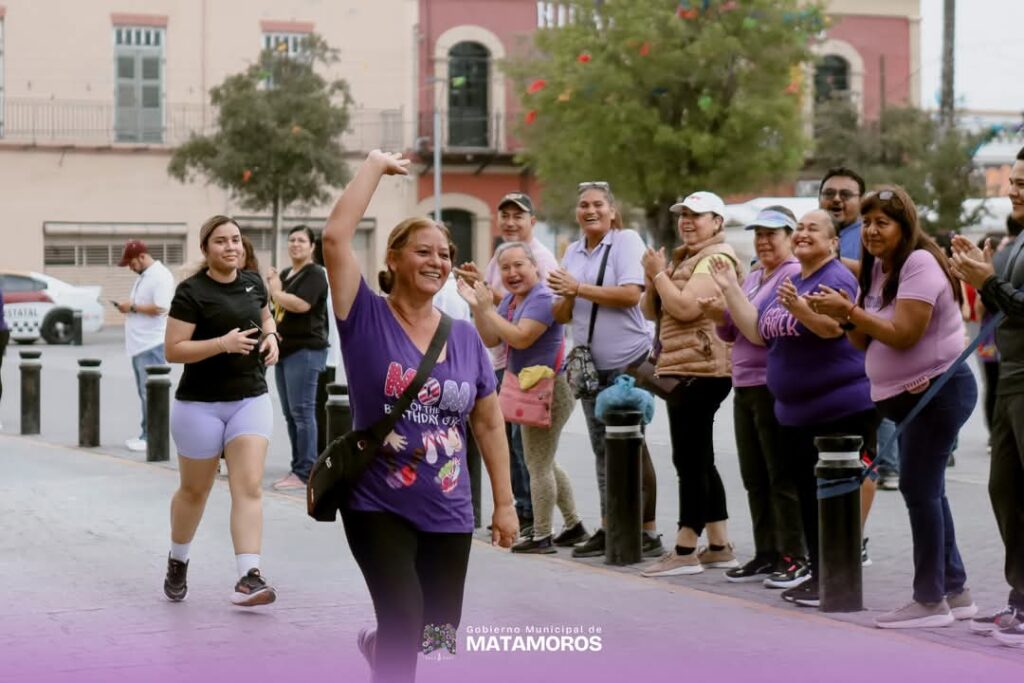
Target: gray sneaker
<point>961,605</point>
<point>672,564</point>
<point>917,615</point>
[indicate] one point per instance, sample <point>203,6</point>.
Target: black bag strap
<point>600,281</point>
<point>383,427</point>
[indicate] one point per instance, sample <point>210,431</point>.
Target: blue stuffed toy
<point>623,394</point>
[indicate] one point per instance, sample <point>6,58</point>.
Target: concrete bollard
<point>339,411</point>
<point>158,413</point>
<point>623,452</point>
<point>839,570</point>
<point>76,328</point>
<point>31,368</point>
<point>88,402</point>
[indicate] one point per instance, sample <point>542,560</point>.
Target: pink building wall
<point>874,37</point>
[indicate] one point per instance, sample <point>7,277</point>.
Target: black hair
<point>1020,154</point>
<point>306,229</point>
<point>1014,226</point>
<point>842,172</point>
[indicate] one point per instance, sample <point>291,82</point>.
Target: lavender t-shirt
<point>535,306</point>
<point>813,380</point>
<point>621,335</point>
<point>891,369</point>
<point>750,361</point>
<point>421,473</point>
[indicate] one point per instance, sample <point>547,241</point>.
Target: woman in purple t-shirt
<point>524,321</point>
<point>815,374</point>
<point>409,520</point>
<point>908,319</point>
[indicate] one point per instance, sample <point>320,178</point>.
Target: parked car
<point>37,305</point>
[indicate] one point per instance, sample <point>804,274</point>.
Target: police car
<point>37,305</point>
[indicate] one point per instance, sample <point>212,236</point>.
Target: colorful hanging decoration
<point>536,86</point>
<point>584,58</point>
<point>246,175</point>
<point>705,102</point>
<point>645,49</point>
<point>458,81</point>
<point>531,117</point>
<point>565,96</point>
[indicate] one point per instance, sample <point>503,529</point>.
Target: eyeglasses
<point>593,185</point>
<point>887,196</point>
<point>845,195</point>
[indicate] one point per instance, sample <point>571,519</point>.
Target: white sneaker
<point>136,445</point>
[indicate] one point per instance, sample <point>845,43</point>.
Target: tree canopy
<point>662,98</point>
<point>277,138</point>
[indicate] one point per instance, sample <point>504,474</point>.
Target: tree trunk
<point>275,231</point>
<point>661,224</point>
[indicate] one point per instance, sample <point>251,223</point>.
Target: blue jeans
<point>888,463</point>
<point>925,445</point>
<point>296,375</point>
<point>153,356</point>
<point>517,464</point>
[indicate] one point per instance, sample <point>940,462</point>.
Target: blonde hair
<point>400,236</point>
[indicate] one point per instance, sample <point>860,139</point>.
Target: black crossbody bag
<point>580,369</point>
<point>345,459</point>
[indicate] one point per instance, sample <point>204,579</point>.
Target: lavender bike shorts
<point>201,429</point>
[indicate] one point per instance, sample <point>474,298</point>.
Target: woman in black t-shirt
<point>299,294</point>
<point>220,327</point>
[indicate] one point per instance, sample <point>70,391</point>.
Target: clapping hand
<point>713,307</point>
<point>653,262</point>
<point>563,283</point>
<point>789,299</point>
<point>478,296</point>
<point>971,264</point>
<point>468,272</point>
<point>833,303</point>
<point>723,273</point>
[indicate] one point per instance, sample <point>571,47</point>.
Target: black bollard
<point>623,441</point>
<point>158,413</point>
<point>31,393</point>
<point>88,402</point>
<point>76,327</point>
<point>339,411</point>
<point>839,569</point>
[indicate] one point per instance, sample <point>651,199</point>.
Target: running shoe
<point>917,615</point>
<point>792,572</point>
<point>990,623</point>
<point>962,605</point>
<point>535,546</point>
<point>570,536</point>
<point>592,547</point>
<point>651,545</point>
<point>175,583</point>
<point>252,590</point>
<point>805,594</point>
<point>718,559</point>
<point>757,569</point>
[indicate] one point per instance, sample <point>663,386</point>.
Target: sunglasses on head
<point>885,196</point>
<point>593,185</point>
<point>845,195</point>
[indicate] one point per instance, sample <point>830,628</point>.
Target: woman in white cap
<point>771,492</point>
<point>690,351</point>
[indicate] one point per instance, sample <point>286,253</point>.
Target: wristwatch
<point>847,326</point>
<point>131,309</point>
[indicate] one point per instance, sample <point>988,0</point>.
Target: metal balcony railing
<point>70,122</point>
<point>468,132</point>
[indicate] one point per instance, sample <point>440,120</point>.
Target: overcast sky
<point>989,53</point>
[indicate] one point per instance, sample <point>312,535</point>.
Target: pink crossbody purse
<point>530,407</point>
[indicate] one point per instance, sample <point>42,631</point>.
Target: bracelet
<point>220,343</point>
<point>577,292</point>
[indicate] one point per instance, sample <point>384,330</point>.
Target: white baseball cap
<point>701,202</point>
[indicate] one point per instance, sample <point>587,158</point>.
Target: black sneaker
<point>792,571</point>
<point>990,623</point>
<point>758,569</point>
<point>365,641</point>
<point>570,536</point>
<point>535,546</point>
<point>175,584</point>
<point>651,545</point>
<point>865,561</point>
<point>252,590</point>
<point>805,594</point>
<point>592,547</point>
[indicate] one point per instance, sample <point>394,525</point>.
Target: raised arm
<point>742,312</point>
<point>339,257</point>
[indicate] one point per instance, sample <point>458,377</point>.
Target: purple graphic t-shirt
<point>536,305</point>
<point>421,474</point>
<point>813,380</point>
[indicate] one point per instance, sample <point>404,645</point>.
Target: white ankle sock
<point>179,551</point>
<point>245,562</point>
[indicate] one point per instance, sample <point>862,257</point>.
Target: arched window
<point>831,78</point>
<point>460,224</point>
<point>469,75</point>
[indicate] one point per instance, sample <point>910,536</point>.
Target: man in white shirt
<point>146,319</point>
<point>516,220</point>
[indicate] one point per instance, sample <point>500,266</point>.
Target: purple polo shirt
<point>750,361</point>
<point>621,335</point>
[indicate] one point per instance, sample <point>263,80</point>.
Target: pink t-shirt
<point>891,370</point>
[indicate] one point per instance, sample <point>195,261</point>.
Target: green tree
<point>663,97</point>
<point>909,147</point>
<point>277,139</point>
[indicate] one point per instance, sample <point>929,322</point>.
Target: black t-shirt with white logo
<point>304,330</point>
<point>216,308</point>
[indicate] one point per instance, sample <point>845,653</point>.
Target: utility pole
<point>947,107</point>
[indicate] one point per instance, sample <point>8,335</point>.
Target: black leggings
<point>416,579</point>
<point>691,423</point>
